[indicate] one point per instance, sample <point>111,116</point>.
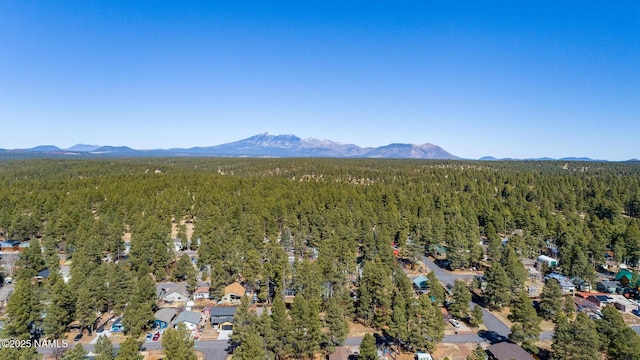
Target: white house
<point>172,292</point>
<point>201,293</point>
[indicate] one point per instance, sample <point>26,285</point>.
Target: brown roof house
<point>233,293</point>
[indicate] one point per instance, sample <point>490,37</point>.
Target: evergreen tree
<point>75,353</point>
<point>551,300</point>
<point>425,324</point>
<point>585,340</point>
<point>336,322</point>
<point>281,326</point>
<point>477,354</point>
<point>477,316</point>
<point>497,293</point>
<point>435,288</point>
<point>461,300</point>
<point>562,339</point>
<point>251,348</point>
<point>24,308</point>
<point>25,353</point>
<point>398,327</point>
<point>368,349</point>
<point>526,323</point>
<point>617,339</point>
<point>516,272</point>
<point>306,325</point>
<point>178,344</point>
<point>104,348</point>
<point>182,268</point>
<point>129,349</point>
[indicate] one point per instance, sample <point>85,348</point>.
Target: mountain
<point>410,151</point>
<point>261,145</point>
<point>83,148</point>
<point>44,149</point>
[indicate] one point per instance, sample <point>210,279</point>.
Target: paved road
<point>497,330</point>
<point>212,349</point>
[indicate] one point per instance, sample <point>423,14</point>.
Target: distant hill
<point>265,145</point>
<point>83,148</point>
<point>261,145</point>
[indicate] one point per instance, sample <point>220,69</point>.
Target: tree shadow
<point>491,336</point>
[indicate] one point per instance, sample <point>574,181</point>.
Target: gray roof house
<point>163,317</point>
<point>191,319</point>
<point>171,292</point>
<point>222,317</point>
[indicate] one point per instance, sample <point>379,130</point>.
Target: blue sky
<point>507,79</point>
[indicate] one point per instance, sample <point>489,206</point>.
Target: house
<point>127,247</point>
<point>566,285</point>
<point>117,325</point>
<point>420,282</point>
<point>623,304</point>
<point>547,260</point>
<point>341,353</point>
<point>584,304</point>
<point>233,293</point>
<point>163,318</point>
<point>42,275</point>
<point>171,292</point>
<point>423,356</point>
<point>177,245</point>
<point>507,351</point>
<point>600,300</point>
<point>624,276</point>
<point>201,293</point>
<point>190,319</point>
<point>608,286</point>
<point>23,245</point>
<point>221,317</point>
<point>9,245</point>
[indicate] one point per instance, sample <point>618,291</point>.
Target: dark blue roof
<point>44,273</point>
<point>9,243</point>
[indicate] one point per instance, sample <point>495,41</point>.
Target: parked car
<point>149,337</point>
<point>100,329</point>
<point>77,337</point>
<point>455,323</point>
<point>636,312</point>
<point>156,336</point>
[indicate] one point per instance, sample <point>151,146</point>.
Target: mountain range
<point>261,145</point>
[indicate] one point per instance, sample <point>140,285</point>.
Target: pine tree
<point>75,353</point>
<point>104,348</point>
<point>306,325</point>
<point>585,340</point>
<point>129,349</point>
<point>425,324</point>
<point>497,293</point>
<point>551,300</point>
<point>178,344</point>
<point>368,350</point>
<point>515,270</point>
<point>477,316</point>
<point>398,326</point>
<point>281,326</point>
<point>435,288</point>
<point>526,323</point>
<point>477,354</point>
<point>251,348</point>
<point>461,300</point>
<point>562,339</point>
<point>24,308</point>
<point>336,322</point>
